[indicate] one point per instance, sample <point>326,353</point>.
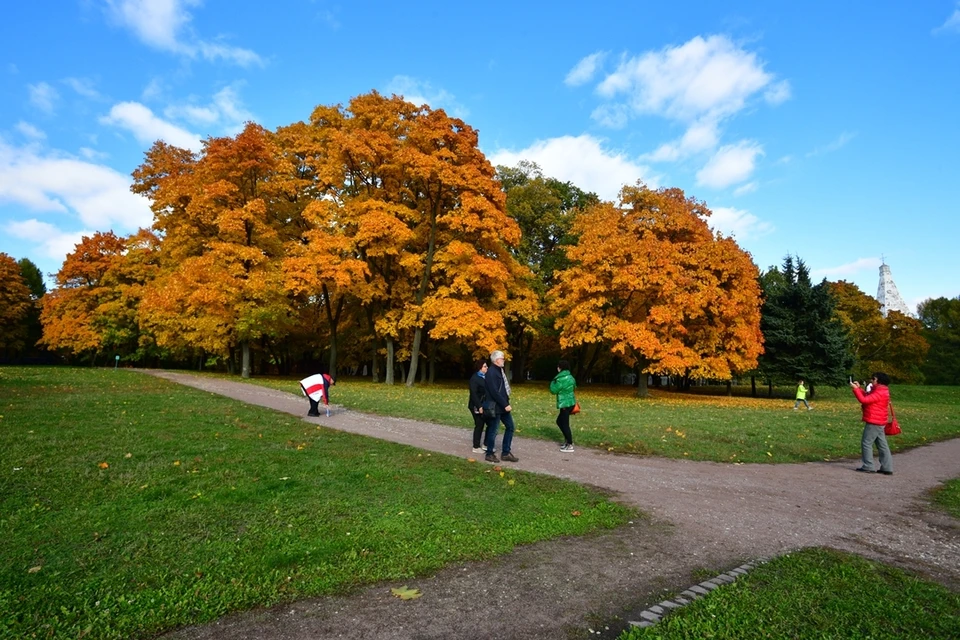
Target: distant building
<point>888,296</point>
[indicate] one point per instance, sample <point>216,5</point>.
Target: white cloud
<point>43,96</point>
<point>839,143</point>
<point>952,23</point>
<point>581,160</point>
<point>97,195</point>
<point>612,116</point>
<point>421,92</point>
<point>848,269</point>
<point>161,24</point>
<point>83,87</point>
<point>729,165</point>
<point>778,93</point>
<point>750,187</point>
<point>709,77</point>
<point>93,154</point>
<point>738,223</point>
<point>30,131</point>
<point>48,240</point>
<point>148,128</point>
<point>584,70</point>
<point>226,110</point>
<point>153,91</point>
<point>699,137</point>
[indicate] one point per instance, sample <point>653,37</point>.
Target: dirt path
<point>704,516</point>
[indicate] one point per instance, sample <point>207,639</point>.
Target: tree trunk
<point>770,388</point>
<point>753,386</point>
<point>642,384</point>
<point>388,376</point>
<point>432,351</point>
<point>414,356</point>
<point>729,388</point>
<point>245,367</point>
<point>333,319</point>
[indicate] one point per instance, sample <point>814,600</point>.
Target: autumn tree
<point>223,229</point>
<point>893,344</point>
<point>419,204</point>
<point>941,321</point>
<point>652,281</point>
<point>15,306</point>
<point>94,307</point>
<point>803,336</point>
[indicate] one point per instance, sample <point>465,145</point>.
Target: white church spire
<point>888,296</point>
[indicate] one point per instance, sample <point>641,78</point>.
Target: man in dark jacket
<point>497,408</point>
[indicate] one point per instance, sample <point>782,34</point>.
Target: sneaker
<point>567,448</point>
<point>809,408</point>
<point>313,415</point>
<point>509,457</point>
<point>479,450</point>
<point>491,457</point>
<point>867,470</point>
<point>887,473</point>
<point>794,408</point>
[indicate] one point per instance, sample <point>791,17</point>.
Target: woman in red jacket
<point>875,408</point>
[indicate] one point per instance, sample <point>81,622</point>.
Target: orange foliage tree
<point>94,306</point>
<point>650,279</point>
<point>419,205</point>
<point>222,224</point>
<point>15,305</point>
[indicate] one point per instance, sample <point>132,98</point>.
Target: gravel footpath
<point>703,516</point>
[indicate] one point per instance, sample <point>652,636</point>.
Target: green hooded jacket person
<point>563,386</point>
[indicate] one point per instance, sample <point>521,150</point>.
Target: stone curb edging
<point>654,614</point>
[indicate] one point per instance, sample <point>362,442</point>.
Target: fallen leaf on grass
<point>33,569</point>
<point>575,514</point>
<point>471,459</point>
<point>103,465</point>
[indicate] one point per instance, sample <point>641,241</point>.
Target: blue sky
<point>828,130</point>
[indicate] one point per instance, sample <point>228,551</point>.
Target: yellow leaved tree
<point>652,281</point>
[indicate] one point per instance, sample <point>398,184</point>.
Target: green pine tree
<point>802,338</point>
<point>941,321</point>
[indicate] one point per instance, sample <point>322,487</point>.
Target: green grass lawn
<point>947,497</point>
<point>696,426</point>
<point>815,593</point>
<point>130,505</point>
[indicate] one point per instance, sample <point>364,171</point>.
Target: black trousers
<point>563,421</point>
<point>478,425</point>
<point>314,407</point>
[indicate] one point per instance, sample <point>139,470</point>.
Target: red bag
<point>576,409</point>
<point>893,427</point>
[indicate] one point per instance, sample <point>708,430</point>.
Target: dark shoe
<point>509,457</point>
<point>865,470</point>
<point>491,457</point>
<point>887,473</point>
<point>313,415</point>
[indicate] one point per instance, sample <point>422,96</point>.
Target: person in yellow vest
<point>802,397</point>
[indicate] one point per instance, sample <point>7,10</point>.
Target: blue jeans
<point>492,425</point>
